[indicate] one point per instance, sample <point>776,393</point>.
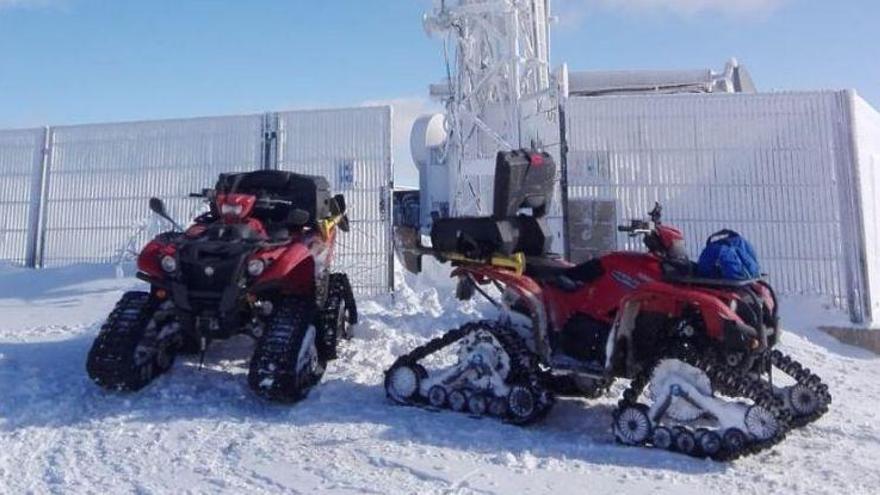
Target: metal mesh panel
<point>352,149</point>
<point>21,154</point>
<point>101,177</point>
<point>765,165</point>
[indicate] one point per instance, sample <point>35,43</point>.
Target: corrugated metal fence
<point>776,167</point>
<point>78,194</point>
<point>101,177</point>
<point>21,158</point>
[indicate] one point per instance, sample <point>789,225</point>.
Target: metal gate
<point>352,149</point>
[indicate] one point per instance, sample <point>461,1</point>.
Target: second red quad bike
<point>257,264</point>
<point>705,377</point>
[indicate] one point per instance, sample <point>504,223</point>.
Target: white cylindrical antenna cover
<point>428,132</point>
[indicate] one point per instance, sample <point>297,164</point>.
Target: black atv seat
<point>684,272</point>
<point>481,237</point>
<point>555,271</point>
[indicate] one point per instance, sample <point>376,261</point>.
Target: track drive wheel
<point>632,426</point>
<point>523,405</point>
<point>402,383</point>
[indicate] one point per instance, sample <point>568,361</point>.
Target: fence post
<point>36,223</point>
<point>269,160</point>
<point>389,174</point>
<point>563,182</point>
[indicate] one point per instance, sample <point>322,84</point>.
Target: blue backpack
<point>728,256</point>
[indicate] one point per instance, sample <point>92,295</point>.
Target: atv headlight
<point>169,264</point>
<point>255,268</point>
<point>234,210</point>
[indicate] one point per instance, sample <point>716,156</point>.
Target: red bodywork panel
<point>292,267</point>
<point>624,273</point>
<point>149,259</point>
<point>669,236</point>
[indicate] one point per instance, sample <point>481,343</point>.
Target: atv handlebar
<point>205,194</point>
<point>270,202</point>
<point>210,194</point>
<point>635,227</point>
<point>640,227</point>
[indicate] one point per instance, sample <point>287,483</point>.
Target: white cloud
<point>405,112</point>
<point>569,10</point>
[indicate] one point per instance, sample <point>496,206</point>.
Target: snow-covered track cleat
<point>286,363</point>
<point>136,344</point>
<point>493,374</point>
<point>337,316</point>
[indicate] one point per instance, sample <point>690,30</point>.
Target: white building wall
<point>771,166</point>
<point>866,138</point>
<point>352,149</point>
<point>21,153</point>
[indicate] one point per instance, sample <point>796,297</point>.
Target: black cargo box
<point>523,179</point>
<point>307,192</point>
<point>484,236</point>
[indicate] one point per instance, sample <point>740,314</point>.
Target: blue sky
<point>77,61</point>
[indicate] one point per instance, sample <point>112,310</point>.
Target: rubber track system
<point>803,376</point>
<point>735,383</point>
<point>524,370</point>
<point>123,356</point>
<point>273,374</point>
<point>339,293</point>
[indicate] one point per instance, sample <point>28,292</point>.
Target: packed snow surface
<point>202,431</point>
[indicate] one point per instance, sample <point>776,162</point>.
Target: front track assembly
<point>495,375</point>
<point>136,344</point>
<point>688,416</point>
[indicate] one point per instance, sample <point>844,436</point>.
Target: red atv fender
<point>292,271</point>
<point>528,291</point>
<point>720,321</point>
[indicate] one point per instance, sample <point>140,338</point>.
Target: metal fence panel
<point>21,153</point>
<point>866,138</point>
<point>101,177</point>
<point>767,165</point>
<point>352,149</point>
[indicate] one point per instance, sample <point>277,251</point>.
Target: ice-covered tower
<point>499,94</point>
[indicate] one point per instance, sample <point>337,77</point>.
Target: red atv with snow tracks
<point>258,263</point>
<point>699,353</point>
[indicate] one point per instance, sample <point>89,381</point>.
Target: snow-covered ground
<point>203,431</point>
